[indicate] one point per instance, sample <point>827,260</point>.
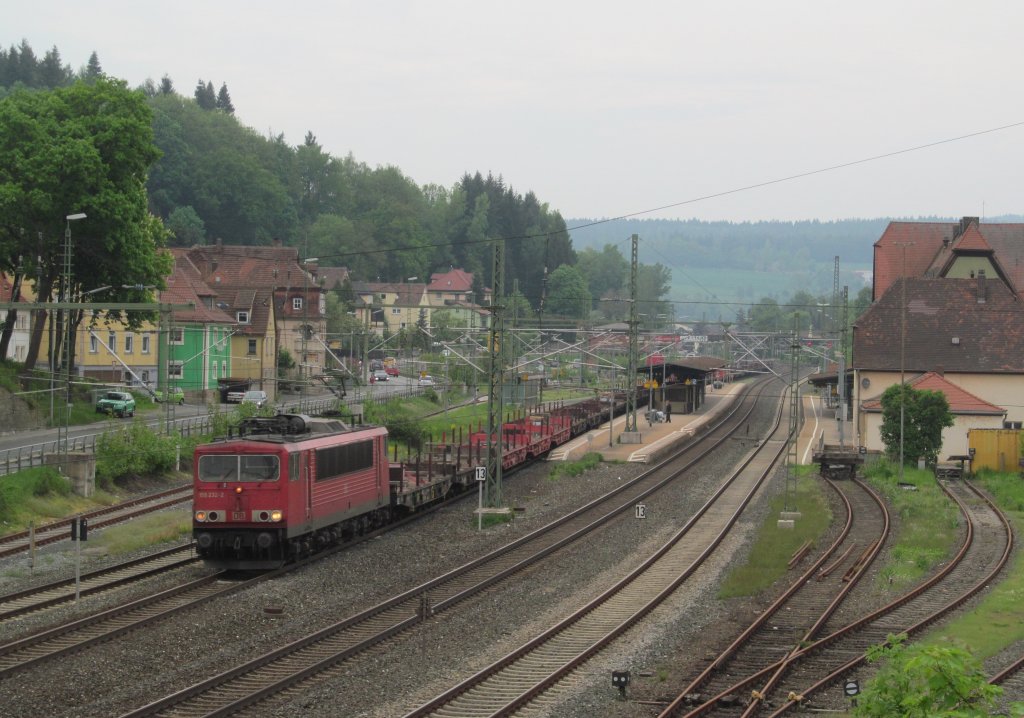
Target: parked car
<point>176,394</point>
<point>380,375</point>
<point>255,396</point>
<point>117,403</point>
<point>426,380</point>
<point>391,370</point>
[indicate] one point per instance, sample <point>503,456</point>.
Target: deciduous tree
<point>925,414</point>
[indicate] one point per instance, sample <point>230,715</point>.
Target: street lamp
<point>66,316</point>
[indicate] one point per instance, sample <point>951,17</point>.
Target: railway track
<point>105,579</point>
<point>530,679</point>
<point>811,671</point>
<point>797,616</point>
<point>59,530</point>
<point>285,667</point>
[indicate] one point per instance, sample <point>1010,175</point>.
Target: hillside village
<point>946,316</point>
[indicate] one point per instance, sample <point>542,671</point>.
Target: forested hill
<point>738,245</point>
<point>759,246</point>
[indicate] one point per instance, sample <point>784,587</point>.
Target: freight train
<point>287,486</point>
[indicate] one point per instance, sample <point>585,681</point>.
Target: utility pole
<point>631,375</point>
<point>495,398</point>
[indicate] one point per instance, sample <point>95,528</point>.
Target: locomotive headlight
<point>276,515</point>
<point>200,516</point>
<point>238,489</point>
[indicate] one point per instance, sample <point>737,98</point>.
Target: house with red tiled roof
<point>969,412</point>
<point>276,302</point>
<point>199,343</point>
<point>949,249</point>
<point>452,291</point>
<point>389,307</point>
<point>969,331</point>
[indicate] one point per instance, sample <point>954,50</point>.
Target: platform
<point>821,429</point>
<point>655,439</point>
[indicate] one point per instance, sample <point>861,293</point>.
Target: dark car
<point>380,375</point>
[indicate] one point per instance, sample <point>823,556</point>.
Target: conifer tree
<point>166,86</point>
<point>93,70</point>
<point>204,95</point>
<point>224,100</point>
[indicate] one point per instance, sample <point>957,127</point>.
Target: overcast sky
<point>607,109</point>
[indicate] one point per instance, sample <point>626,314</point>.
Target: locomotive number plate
<point>211,494</point>
<point>238,516</point>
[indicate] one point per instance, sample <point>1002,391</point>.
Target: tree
<point>186,227</point>
<point>606,271</point>
<point>166,85</point>
<point>765,316</point>
<point>926,681</point>
<point>925,414</point>
<point>93,70</point>
<point>204,95</point>
<point>568,294</point>
<point>86,149</point>
<point>224,100</point>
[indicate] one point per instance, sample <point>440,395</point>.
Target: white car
<point>426,381</point>
<point>255,396</point>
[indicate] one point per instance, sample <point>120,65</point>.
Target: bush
<point>135,450</point>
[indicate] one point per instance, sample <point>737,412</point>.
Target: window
<point>174,369</point>
<point>112,342</point>
<point>145,344</point>
<point>232,467</point>
<point>94,344</point>
<point>251,349</point>
<point>395,311</point>
<point>344,459</point>
<point>296,303</point>
<point>177,336</point>
<point>1011,424</point>
<point>129,343</point>
<point>242,317</point>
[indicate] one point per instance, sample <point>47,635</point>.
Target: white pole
<point>480,508</point>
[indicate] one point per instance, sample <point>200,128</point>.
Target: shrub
<point>135,450</point>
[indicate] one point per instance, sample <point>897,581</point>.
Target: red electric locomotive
<point>286,486</point>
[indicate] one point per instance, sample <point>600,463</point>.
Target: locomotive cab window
<point>247,467</point>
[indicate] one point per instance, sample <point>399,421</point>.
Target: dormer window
<point>242,317</point>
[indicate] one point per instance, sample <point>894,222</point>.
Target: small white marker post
<point>481,477</point>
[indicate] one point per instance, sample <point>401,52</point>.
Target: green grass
<point>574,468</point>
<point>154,528</point>
<point>926,524</point>
<point>998,620</point>
<point>775,546</point>
<point>40,495</point>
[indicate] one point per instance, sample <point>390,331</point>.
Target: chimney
<point>982,287</point>
<point>965,222</point>
<point>945,242</point>
<point>939,370</point>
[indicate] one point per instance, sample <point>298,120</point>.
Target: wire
<point>692,200</point>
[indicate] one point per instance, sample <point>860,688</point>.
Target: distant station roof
<point>687,366</point>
